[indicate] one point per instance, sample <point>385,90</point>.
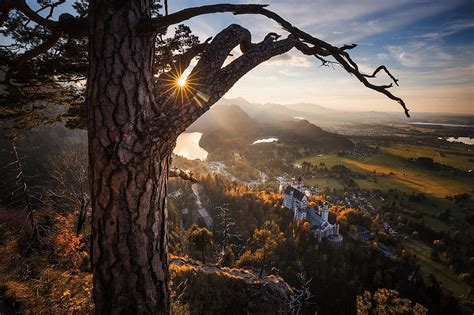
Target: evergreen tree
<point>134,114</point>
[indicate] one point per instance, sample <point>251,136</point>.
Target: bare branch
<point>27,195</point>
<point>202,75</point>
<point>186,175</point>
<point>160,23</point>
<point>324,48</point>
<point>51,7</point>
<point>382,67</point>
<point>67,23</point>
<point>183,61</point>
<point>259,53</point>
<point>24,8</point>
<point>218,51</point>
<point>306,43</point>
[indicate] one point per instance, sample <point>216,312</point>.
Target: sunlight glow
<point>181,81</point>
<point>183,87</point>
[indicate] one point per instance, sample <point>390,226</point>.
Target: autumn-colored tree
<point>385,301</point>
<point>200,239</point>
<point>266,241</point>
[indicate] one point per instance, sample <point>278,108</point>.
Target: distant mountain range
<point>322,116</point>
<point>272,111</point>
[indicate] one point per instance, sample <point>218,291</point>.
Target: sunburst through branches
<point>183,87</point>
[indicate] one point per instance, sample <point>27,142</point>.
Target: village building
<point>362,233</point>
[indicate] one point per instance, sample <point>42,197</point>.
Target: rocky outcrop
<point>207,289</point>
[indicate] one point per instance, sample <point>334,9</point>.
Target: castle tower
<point>299,183</point>
<point>325,214</point>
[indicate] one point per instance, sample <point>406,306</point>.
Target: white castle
<point>297,200</point>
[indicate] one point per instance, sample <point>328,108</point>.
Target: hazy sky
<point>428,45</point>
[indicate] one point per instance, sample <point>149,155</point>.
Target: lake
<point>266,140</point>
<point>440,124</point>
<point>465,140</point>
<point>187,145</point>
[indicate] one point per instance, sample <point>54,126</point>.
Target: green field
<point>324,182</point>
<point>441,271</point>
<point>406,176</point>
<point>455,156</point>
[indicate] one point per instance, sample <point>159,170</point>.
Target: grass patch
<point>442,272</point>
<point>407,177</point>
<point>436,224</point>
<point>454,156</point>
<point>324,182</point>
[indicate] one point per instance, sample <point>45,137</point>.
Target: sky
<point>428,45</point>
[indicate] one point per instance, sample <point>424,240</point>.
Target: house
<point>362,233</point>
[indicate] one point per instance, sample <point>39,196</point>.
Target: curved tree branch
<point>32,53</point>
<point>325,49</point>
<point>51,7</point>
<point>259,53</point>
<point>160,23</point>
<point>319,48</point>
<point>24,8</point>
<point>186,175</point>
<point>382,67</point>
<point>204,72</point>
<point>68,24</point>
<point>183,61</point>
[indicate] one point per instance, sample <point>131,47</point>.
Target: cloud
<point>439,77</point>
<point>421,54</point>
<point>383,56</point>
<point>288,73</point>
<point>444,30</point>
<point>289,60</point>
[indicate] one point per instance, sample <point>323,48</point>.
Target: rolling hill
<point>233,127</point>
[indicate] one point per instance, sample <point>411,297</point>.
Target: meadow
<point>441,270</point>
<point>391,169</point>
<point>453,155</point>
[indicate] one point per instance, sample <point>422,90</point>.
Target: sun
<point>181,82</point>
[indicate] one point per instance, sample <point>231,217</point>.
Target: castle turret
<point>299,183</point>
<point>325,214</point>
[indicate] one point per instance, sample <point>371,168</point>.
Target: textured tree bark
<point>129,164</point>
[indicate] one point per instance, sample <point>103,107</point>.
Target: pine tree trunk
<point>129,164</point>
